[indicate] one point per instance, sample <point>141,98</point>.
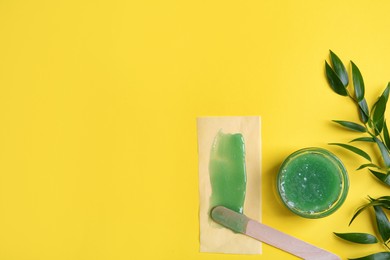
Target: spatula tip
<point>229,218</point>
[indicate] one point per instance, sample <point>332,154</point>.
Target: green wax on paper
<point>227,172</point>
<point>311,182</point>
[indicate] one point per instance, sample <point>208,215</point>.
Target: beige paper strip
<point>214,238</point>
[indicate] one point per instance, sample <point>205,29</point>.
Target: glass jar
<point>312,182</point>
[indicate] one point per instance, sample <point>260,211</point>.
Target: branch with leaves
<point>374,129</point>
<point>382,227</point>
<point>373,123</point>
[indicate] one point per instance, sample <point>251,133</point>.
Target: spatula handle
<point>286,242</point>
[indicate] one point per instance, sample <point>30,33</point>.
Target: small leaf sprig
<point>373,125</point>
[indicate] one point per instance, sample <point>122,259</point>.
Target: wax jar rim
<point>343,191</point>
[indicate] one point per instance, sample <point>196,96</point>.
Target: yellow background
<point>98,107</point>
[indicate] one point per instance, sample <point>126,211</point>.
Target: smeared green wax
<point>227,172</point>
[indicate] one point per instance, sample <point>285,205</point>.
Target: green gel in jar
<point>312,182</point>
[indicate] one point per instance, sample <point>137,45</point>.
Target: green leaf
<point>384,202</point>
<point>334,81</point>
<point>353,149</point>
<point>376,256</point>
<point>378,126</point>
<point>351,126</point>
<point>368,165</point>
<point>364,207</point>
<point>384,152</point>
<point>339,68</point>
<point>364,113</point>
<point>387,198</point>
<point>358,82</point>
<point>381,176</point>
<point>386,135</point>
<point>383,198</point>
<point>379,108</point>
<point>357,213</point>
<point>363,139</point>
<point>360,238</point>
<point>378,115</point>
<point>382,223</point>
<point>386,92</point>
